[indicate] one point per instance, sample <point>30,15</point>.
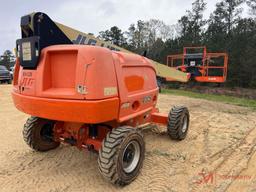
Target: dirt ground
<point>219,154</point>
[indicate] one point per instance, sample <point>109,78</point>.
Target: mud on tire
<point>121,155</point>
<point>38,134</point>
<point>178,123</point>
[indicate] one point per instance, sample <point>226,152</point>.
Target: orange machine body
<point>79,86</point>
<point>86,84</point>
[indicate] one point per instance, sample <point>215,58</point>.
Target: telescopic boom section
<point>39,31</point>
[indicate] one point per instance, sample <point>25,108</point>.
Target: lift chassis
<point>93,98</point>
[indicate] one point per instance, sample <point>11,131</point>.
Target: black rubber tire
<point>110,158</point>
<point>32,134</point>
<point>176,119</point>
<point>159,84</point>
<point>9,81</point>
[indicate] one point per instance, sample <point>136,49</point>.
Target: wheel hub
<point>185,124</point>
<point>47,132</point>
<point>128,156</point>
<point>131,156</point>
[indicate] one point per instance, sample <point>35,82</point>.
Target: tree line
<point>224,31</point>
<point>7,59</point>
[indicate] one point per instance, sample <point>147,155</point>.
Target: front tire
<point>121,155</point>
<point>38,134</point>
<point>178,123</point>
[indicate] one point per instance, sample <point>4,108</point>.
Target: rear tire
<point>159,84</point>
<point>121,155</point>
<point>178,123</point>
<point>38,134</point>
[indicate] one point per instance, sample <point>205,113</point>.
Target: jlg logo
<point>27,82</point>
<point>84,40</point>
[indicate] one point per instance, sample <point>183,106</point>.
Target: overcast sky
<point>90,15</point>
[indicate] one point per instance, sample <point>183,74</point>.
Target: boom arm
<point>39,31</point>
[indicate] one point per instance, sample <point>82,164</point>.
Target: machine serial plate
<point>26,51</point>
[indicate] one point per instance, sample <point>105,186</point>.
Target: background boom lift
<point>203,66</point>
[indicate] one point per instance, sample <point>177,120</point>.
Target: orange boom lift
<point>90,97</point>
<point>203,66</point>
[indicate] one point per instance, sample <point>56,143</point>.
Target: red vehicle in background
<point>203,66</point>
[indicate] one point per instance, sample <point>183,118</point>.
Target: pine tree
<point>115,35</point>
<point>191,25</point>
<point>252,5</point>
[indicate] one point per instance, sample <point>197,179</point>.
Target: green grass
<point>219,98</point>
